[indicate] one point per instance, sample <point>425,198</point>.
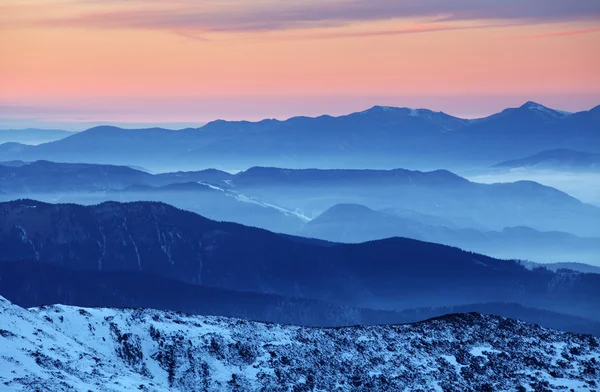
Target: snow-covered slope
<point>60,348</point>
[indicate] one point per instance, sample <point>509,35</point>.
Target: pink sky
<point>196,60</point>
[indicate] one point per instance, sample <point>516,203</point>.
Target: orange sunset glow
<point>196,60</point>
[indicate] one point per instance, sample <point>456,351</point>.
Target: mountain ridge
<point>32,136</point>
<point>555,159</point>
<point>159,239</point>
<point>395,134</point>
<point>354,223</point>
<point>145,349</point>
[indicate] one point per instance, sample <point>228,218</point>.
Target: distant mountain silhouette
<point>217,204</point>
<point>13,163</point>
<point>556,159</point>
<point>439,193</point>
<point>378,137</point>
<point>32,136</point>
<point>45,176</point>
<point>34,284</point>
<point>50,177</point>
<point>212,176</point>
<point>176,187</point>
<point>358,223</point>
<point>439,197</point>
<point>155,238</point>
<point>13,149</point>
<point>29,284</point>
<point>267,176</point>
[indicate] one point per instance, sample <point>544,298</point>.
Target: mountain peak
<point>534,106</point>
<point>104,128</point>
<point>380,108</point>
<point>393,109</point>
<point>349,208</point>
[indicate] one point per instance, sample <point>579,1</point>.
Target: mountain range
<point>559,159</point>
<point>439,193</point>
<point>50,177</point>
<point>157,239</point>
<point>378,137</point>
<point>72,348</point>
<point>282,199</point>
<point>358,223</point>
<point>503,220</point>
<point>32,136</point>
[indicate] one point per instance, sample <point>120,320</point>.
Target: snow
<point>245,199</point>
<point>135,248</point>
<point>103,247</point>
<point>541,108</point>
<point>60,348</point>
<point>26,240</point>
<point>452,360</point>
<point>481,351</point>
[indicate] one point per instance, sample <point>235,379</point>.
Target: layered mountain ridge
<point>558,159</point>
<point>393,274</point>
<point>381,136</point>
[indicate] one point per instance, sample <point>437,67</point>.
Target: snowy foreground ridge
<point>61,348</point>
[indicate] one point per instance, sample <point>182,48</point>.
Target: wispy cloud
<point>206,16</point>
<point>561,33</point>
<point>415,29</point>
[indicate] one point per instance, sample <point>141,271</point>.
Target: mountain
<point>548,246</point>
<point>580,267</point>
<point>53,177</point>
<point>32,136</point>
<point>354,223</point>
<point>439,193</point>
<point>393,274</point>
<point>272,176</point>
<point>528,113</point>
<point>526,130</point>
<point>358,223</point>
<point>44,176</point>
<point>559,159</point>
<point>208,200</point>
<point>268,197</point>
<point>30,284</point>
<point>113,145</point>
<point>380,137</point>
<point>13,163</point>
<point>93,183</point>
<point>71,348</point>
<point>13,149</point>
<point>212,176</point>
<point>510,310</point>
<point>584,123</point>
<point>22,177</point>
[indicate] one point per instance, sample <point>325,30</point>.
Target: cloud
<point>206,16</point>
<point>562,33</point>
<point>415,29</point>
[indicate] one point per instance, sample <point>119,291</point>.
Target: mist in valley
<point>583,185</point>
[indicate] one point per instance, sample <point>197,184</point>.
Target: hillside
<point>392,274</point>
<point>61,348</point>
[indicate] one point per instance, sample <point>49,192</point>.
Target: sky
<point>75,63</point>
